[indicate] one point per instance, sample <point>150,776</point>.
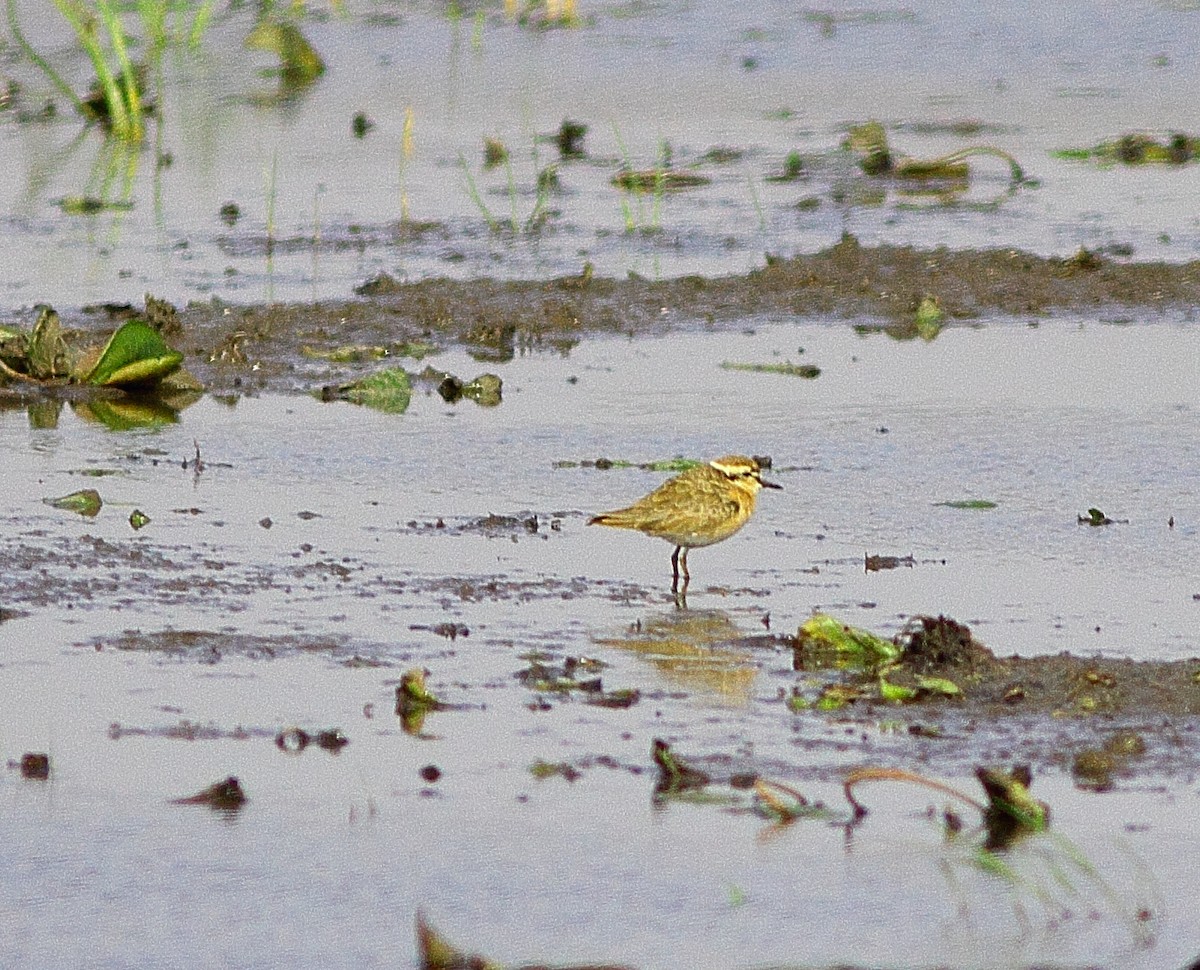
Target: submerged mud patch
<point>207,646</point>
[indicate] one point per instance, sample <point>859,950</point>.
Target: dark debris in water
<point>34,766</point>
<point>293,740</point>
<point>208,646</point>
<point>494,525</point>
<point>187,730</point>
<point>573,676</point>
<point>224,796</point>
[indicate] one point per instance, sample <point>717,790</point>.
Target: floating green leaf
<point>1137,148</point>
<point>896,693</point>
<point>836,696</point>
<point>939,685</point>
<point>787,368</point>
<point>969,503</point>
<point>388,390</point>
<point>86,502</point>
<point>670,464</point>
<point>412,692</point>
<point>300,63</point>
<point>348,354</point>
<point>87,205</point>
<point>902,694</point>
<point>658,180</point>
<point>673,774</point>
<point>135,354</point>
<point>138,519</point>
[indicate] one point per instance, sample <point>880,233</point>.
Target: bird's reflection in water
<point>698,649</point>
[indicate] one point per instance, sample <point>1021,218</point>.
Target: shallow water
<point>207,620</point>
<point>762,78</point>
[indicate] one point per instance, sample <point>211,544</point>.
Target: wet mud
<point>237,349</point>
<point>571,670</point>
<point>1049,711</point>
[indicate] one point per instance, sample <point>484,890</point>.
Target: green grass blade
<point>40,61</point>
<point>473,189</point>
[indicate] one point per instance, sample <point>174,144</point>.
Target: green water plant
<point>1137,148</point>
<point>546,183</point>
<point>388,390</point>
<point>299,63</point>
<point>117,101</point>
<point>786,368</point>
<point>135,355</point>
<point>656,182</point>
<point>1014,843</point>
<point>135,358</point>
<point>825,638</point>
<point>406,154</point>
<point>792,170</point>
<point>86,502</point>
<point>869,142</point>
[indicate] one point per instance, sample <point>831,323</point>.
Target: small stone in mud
<point>431,773</point>
<point>266,522</point>
<point>35,766</point>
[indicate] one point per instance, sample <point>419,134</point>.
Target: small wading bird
<point>698,507</point>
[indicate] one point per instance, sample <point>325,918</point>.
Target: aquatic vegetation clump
<point>86,502</point>
<point>136,357</point>
<point>299,63</point>
<point>388,390</point>
<point>1137,148</point>
<point>117,99</point>
<point>869,142</point>
<point>787,368</point>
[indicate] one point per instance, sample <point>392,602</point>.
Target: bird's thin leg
<point>675,568</point>
<point>680,597</point>
<point>687,577</point>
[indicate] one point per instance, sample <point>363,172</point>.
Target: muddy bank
<point>277,346</point>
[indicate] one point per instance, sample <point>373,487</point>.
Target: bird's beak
<point>765,484</point>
